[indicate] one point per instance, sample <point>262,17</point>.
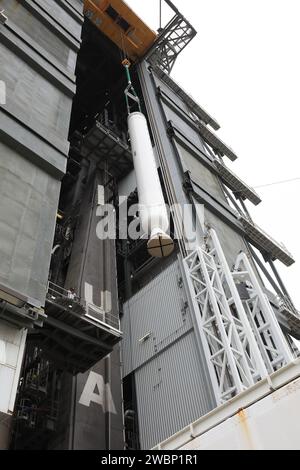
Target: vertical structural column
<point>254,353</point>
<point>242,343</point>
<point>226,357</point>
<point>189,264</point>
<point>279,343</point>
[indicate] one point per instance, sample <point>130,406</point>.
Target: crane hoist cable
<point>130,93</point>
<point>123,50</point>
<point>160,14</point>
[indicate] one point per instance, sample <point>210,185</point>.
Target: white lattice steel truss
<point>272,343</point>
<point>242,340</point>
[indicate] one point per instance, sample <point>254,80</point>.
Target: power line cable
<point>277,182</point>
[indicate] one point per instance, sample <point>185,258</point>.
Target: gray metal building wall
<point>157,309</point>
<point>99,425</point>
<point>38,50</point>
<point>171,379</point>
<point>95,426</point>
<point>171,391</point>
<point>201,174</point>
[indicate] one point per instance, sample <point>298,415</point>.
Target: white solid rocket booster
<point>153,212</point>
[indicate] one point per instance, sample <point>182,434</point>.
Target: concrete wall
<point>38,50</point>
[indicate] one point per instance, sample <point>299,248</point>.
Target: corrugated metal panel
<point>158,310</point>
<point>171,391</point>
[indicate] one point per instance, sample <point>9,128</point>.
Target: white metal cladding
<point>159,309</point>
<point>263,417</point>
<point>269,424</point>
<point>12,345</point>
<point>171,391</point>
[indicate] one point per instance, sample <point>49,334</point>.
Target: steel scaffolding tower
<point>242,340</point>
<point>273,346</point>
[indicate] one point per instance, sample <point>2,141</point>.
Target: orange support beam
<point>121,25</point>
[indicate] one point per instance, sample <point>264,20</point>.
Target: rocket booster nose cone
<point>153,213</point>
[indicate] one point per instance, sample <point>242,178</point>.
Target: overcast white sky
<point>243,68</point>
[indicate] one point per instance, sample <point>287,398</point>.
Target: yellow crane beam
<point>121,25</point>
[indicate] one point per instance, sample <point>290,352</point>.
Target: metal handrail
<point>56,292</point>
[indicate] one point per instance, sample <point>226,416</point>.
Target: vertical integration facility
<point>109,341</point>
